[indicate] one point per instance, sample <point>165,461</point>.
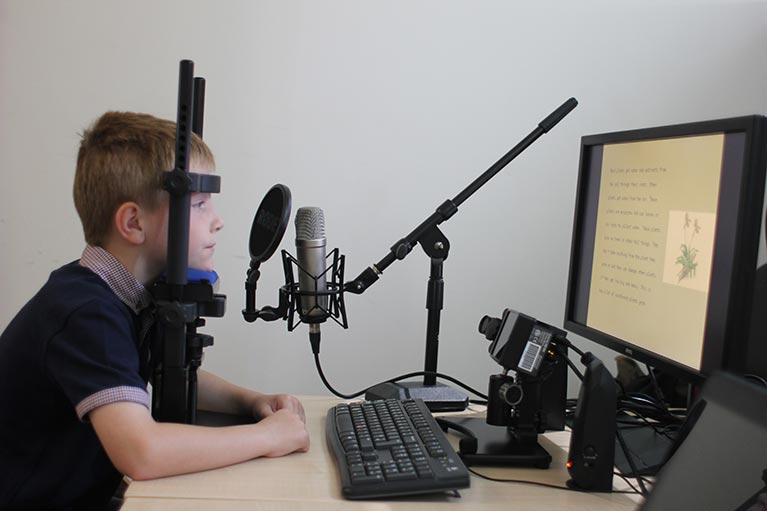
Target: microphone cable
<point>392,380</point>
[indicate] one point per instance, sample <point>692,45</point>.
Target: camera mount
<point>516,412</point>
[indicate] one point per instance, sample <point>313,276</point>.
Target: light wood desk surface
<point>305,481</point>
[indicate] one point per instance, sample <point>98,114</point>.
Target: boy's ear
<point>128,222</point>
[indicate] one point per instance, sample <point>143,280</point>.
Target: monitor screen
<point>665,241</point>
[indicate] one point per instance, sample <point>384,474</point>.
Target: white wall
<point>376,112</point>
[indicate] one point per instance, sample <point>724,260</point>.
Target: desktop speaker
<point>592,443</point>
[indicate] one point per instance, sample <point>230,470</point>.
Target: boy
<point>75,361</point>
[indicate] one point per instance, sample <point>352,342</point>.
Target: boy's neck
<point>134,261</point>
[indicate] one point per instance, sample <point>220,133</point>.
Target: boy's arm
<point>141,448</point>
<point>218,395</point>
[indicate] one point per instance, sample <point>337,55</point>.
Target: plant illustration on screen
<point>687,257</point>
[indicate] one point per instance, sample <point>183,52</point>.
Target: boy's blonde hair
<point>122,157</point>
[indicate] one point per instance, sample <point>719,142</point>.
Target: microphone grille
<point>310,223</point>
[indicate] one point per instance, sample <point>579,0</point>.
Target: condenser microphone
<point>312,278</point>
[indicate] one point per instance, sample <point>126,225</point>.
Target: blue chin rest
<point>193,275</point>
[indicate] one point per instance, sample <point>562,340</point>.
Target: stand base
<point>497,446</point>
<point>438,397</point>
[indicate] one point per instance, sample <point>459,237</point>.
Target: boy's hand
<point>287,433</point>
<point>265,405</point>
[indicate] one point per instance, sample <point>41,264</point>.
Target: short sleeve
<point>94,359</point>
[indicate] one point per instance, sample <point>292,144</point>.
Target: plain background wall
<point>376,112</point>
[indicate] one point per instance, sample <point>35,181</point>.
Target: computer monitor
<point>665,241</point>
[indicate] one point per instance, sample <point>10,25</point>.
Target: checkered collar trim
<point>122,282</point>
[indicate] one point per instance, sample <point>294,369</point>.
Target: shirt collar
<point>122,282</point>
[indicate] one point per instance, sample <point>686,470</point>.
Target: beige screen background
<point>654,243</point>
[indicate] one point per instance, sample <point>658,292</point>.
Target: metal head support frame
<point>177,347</point>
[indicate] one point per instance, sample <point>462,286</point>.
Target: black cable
<point>651,410</point>
<point>558,351</point>
<point>570,345</point>
<point>536,483</point>
<point>659,431</point>
<point>498,480</point>
<point>649,407</point>
<point>392,380</point>
<point>329,386</point>
<point>630,459</point>
<point>645,400</point>
<point>652,413</point>
<point>574,369</point>
<point>629,454</point>
<point>438,375</point>
<point>656,388</point>
<point>628,482</point>
<point>756,378</point>
<point>638,422</point>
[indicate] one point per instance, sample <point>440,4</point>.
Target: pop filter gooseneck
<point>269,225</point>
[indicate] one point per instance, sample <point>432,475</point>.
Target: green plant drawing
<point>687,259</point>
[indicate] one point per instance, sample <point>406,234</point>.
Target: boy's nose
<point>218,222</point>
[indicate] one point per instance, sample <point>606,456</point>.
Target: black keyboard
<point>389,447</point>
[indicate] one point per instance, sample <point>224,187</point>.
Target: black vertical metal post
<point>173,315</point>
<point>434,299</point>
<point>178,220</point>
<point>199,106</point>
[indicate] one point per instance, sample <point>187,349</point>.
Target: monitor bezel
<point>731,289</point>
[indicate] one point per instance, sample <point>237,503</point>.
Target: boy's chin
<point>205,266</point>
<point>202,268</point>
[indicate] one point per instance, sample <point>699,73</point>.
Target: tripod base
<point>497,446</point>
<point>438,397</point>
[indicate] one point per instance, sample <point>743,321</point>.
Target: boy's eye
<point>200,200</point>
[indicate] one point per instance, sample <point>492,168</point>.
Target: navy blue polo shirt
<point>73,347</point>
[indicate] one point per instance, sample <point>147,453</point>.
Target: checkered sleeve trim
<point>113,395</point>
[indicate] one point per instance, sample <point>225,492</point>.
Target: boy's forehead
<point>199,167</point>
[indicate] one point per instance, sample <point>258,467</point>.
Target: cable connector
<point>314,339</point>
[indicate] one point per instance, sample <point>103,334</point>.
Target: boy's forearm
<point>218,395</point>
<point>141,448</point>
<point>180,449</point>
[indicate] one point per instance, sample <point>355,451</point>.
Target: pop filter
<point>269,224</point>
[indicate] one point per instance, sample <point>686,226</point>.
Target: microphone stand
<point>179,304</point>
<point>440,397</point>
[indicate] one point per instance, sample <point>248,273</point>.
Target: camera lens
<point>488,326</point>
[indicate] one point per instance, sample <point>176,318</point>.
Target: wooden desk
<point>309,481</point>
